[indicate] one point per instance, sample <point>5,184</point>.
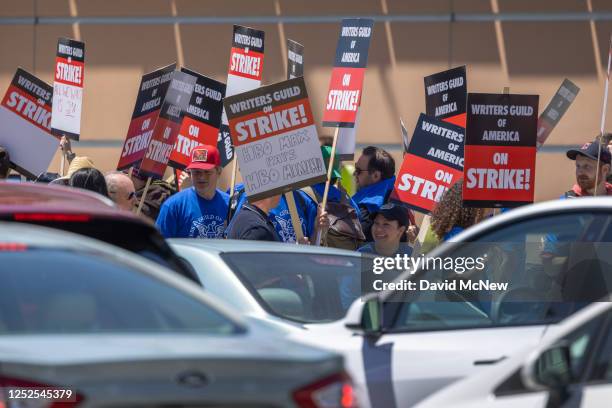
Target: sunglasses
<point>358,171</point>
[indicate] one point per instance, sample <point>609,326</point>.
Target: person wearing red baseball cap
<point>199,211</point>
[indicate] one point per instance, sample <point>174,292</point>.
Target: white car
<point>413,344</point>
<point>113,329</point>
<point>571,368</point>
<point>400,346</point>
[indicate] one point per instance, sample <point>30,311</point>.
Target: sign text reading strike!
<point>68,73</point>
<point>274,122</point>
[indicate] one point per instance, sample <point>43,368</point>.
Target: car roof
<point>12,235</point>
<point>535,210</point>
<point>233,245</point>
<point>53,199</point>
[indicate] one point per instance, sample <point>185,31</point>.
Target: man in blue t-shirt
<point>199,211</point>
<point>280,217</point>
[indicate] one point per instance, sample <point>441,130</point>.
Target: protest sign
<point>25,124</point>
<point>500,150</point>
<point>151,94</point>
<point>276,139</point>
<point>346,83</point>
<point>168,124</point>
<point>433,163</point>
<point>445,95</point>
<point>244,74</point>
<point>347,141</point>
<point>555,110</point>
<point>295,59</point>
<point>68,88</point>
<point>201,120</point>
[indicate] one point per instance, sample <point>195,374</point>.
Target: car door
<point>434,337</point>
<point>596,391</point>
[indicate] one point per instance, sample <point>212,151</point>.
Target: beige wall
<point>528,57</point>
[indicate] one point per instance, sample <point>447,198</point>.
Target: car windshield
<point>57,291</point>
<point>308,288</point>
<point>543,269</point>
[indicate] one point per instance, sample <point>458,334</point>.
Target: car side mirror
<point>365,316</point>
<point>549,370</point>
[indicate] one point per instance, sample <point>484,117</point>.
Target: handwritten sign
<point>276,139</point>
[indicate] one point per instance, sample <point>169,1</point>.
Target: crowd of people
<point>369,221</point>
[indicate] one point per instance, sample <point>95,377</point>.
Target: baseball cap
<point>394,212</point>
<point>326,152</point>
<point>204,157</point>
<point>78,163</point>
<point>590,150</point>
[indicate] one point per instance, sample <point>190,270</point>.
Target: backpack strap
<point>233,204</point>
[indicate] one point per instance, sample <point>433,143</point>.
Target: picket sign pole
<point>62,164</point>
<point>295,218</point>
<point>233,179</point>
<point>144,194</point>
<point>416,250</point>
<point>603,116</point>
<point>330,168</point>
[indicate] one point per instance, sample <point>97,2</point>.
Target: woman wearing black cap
<point>389,226</point>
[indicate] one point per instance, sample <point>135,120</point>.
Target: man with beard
<point>588,172</point>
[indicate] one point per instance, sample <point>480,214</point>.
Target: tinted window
<point>552,266</point>
<point>602,367</point>
<point>301,287</point>
<point>135,237</point>
<point>50,291</point>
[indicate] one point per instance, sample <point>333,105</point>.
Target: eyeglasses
<point>358,171</point>
<point>131,194</point>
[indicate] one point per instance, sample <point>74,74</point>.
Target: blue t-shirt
<point>456,230</point>
<point>280,217</point>
<point>373,196</point>
<point>369,248</point>
<point>187,215</point>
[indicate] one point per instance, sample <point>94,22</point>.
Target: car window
<point>132,236</point>
<point>52,291</point>
<point>580,343</point>
<point>602,367</point>
<point>302,287</point>
<point>551,266</point>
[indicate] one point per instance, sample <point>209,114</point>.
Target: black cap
<point>394,212</point>
<point>590,150</point>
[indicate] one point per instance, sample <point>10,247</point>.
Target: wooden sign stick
<point>330,169</point>
<point>295,218</point>
<point>144,194</point>
<point>603,117</point>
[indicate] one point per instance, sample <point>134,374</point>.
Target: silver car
<point>287,285</point>
<point>107,328</point>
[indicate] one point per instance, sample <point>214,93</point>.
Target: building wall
<point>529,57</point>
